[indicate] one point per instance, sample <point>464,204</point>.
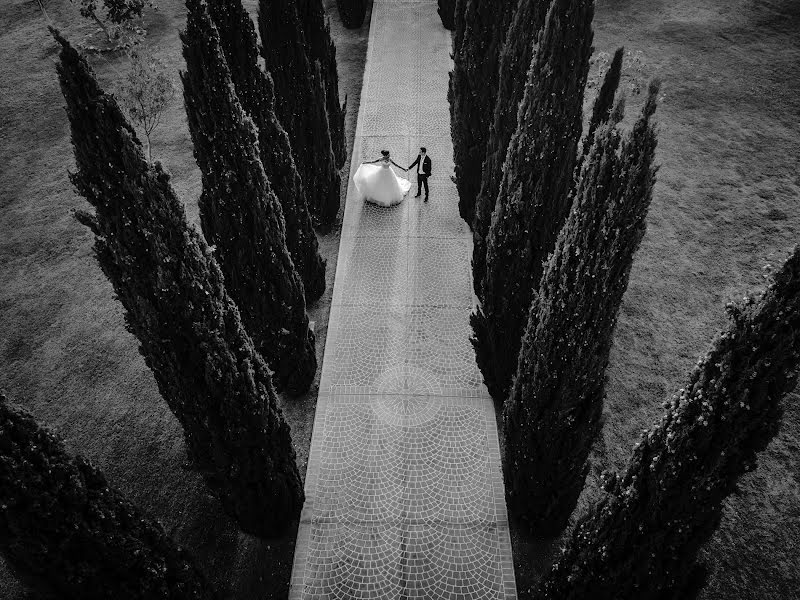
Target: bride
<point>379,184</point>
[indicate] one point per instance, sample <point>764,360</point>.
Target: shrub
<point>118,12</point>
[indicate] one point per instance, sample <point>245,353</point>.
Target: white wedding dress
<point>378,184</point>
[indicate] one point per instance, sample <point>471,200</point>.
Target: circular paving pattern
<point>405,396</point>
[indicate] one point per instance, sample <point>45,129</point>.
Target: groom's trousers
<point>422,180</point>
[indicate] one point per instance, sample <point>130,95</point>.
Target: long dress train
<point>378,184</point>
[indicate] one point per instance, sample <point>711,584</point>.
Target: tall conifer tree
<point>320,47</point>
<point>473,93</point>
<point>459,27</point>
<point>189,329</point>
<point>446,10</point>
<point>604,102</point>
<point>515,60</point>
<point>239,212</point>
<point>552,416</point>
<point>300,101</point>
<point>534,195</point>
<point>640,542</point>
<point>256,92</point>
<point>60,519</point>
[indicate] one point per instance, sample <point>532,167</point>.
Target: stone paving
<point>404,489</point>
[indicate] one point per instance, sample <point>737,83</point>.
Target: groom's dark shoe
<point>426,198</point>
<point>417,196</point>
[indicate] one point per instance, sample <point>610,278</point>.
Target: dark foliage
<point>239,213</point>
<point>641,540</point>
<point>189,329</point>
<point>301,105</point>
<point>552,416</point>
<point>604,102</point>
<point>459,27</point>
<point>117,11</point>
<point>60,520</point>
<point>320,47</point>
<point>473,93</point>
<point>256,93</point>
<point>515,60</point>
<point>447,13</point>
<point>533,200</point>
<point>352,12</point>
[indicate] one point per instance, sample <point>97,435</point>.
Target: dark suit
<point>422,178</point>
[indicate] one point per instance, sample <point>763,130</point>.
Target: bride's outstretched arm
<point>396,165</point>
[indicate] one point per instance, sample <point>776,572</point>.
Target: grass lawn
<point>725,208</point>
<point>64,352</point>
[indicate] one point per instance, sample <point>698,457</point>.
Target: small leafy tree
<point>118,12</point>
<point>147,92</point>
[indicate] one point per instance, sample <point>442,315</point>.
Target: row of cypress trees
<point>203,316</point>
<point>553,411</point>
<point>301,100</point>
<point>240,214</point>
<point>642,537</point>
<point>473,90</point>
<point>533,198</point>
<point>256,93</point>
<point>189,329</point>
<point>515,59</point>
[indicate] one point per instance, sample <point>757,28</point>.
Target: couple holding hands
<point>377,182</point>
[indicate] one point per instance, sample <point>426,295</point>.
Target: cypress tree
<point>459,27</point>
<point>534,195</point>
<point>641,539</point>
<point>515,60</point>
<point>320,47</point>
<point>352,12</point>
<point>447,10</point>
<point>60,520</point>
<point>239,213</point>
<point>474,89</point>
<point>552,416</point>
<point>189,330</point>
<point>604,102</point>
<point>299,103</point>
<point>256,92</point>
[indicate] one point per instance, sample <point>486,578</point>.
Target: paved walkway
<point>404,490</point>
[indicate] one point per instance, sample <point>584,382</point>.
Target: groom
<point>423,164</point>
